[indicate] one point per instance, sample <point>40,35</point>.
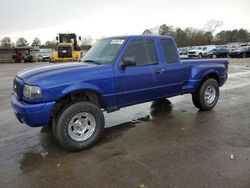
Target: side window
<point>143,51</point>
<point>169,50</point>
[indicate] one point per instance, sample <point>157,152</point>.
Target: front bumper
<point>34,115</point>
<point>193,55</point>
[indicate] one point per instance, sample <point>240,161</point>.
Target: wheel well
<point>211,75</point>
<point>85,95</point>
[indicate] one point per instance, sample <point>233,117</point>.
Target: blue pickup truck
<point>116,72</point>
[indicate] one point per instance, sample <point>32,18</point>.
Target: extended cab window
<point>143,51</point>
<point>169,50</point>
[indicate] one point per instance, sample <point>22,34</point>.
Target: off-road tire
<point>61,123</point>
<point>199,96</point>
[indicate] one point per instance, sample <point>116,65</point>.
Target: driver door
<point>138,83</point>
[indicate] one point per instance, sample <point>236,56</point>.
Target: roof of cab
<point>141,37</point>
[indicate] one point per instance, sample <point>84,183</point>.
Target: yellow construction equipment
<point>68,50</point>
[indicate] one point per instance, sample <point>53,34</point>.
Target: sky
<point>102,18</point>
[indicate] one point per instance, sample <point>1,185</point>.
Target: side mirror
<point>128,61</point>
<point>80,38</point>
<point>57,38</point>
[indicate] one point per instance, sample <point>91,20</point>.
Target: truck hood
<point>57,73</point>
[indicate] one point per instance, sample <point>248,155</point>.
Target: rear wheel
<point>207,96</point>
<point>79,126</point>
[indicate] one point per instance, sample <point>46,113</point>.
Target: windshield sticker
<point>117,41</point>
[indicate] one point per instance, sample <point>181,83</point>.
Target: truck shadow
<point>158,109</point>
<point>49,150</point>
<point>161,108</point>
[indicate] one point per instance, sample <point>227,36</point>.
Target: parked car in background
<point>44,58</point>
<point>200,51</point>
<point>232,46</point>
<point>22,54</point>
<point>243,51</point>
<point>183,51</point>
<point>217,52</point>
<point>28,57</point>
<point>44,55</point>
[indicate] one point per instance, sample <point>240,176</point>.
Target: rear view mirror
<point>80,38</point>
<point>57,38</point>
<point>128,61</point>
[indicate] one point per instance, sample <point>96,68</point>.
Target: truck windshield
<point>104,51</point>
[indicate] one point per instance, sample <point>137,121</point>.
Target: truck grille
<point>64,51</point>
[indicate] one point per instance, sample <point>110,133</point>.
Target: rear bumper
<point>34,115</point>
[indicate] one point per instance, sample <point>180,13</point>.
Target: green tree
<point>223,37</point>
<point>235,35</point>
<point>196,37</point>
<point>36,42</point>
<point>147,32</point>
<point>21,42</point>
<point>166,30</point>
<point>50,44</point>
<point>6,42</point>
<point>243,35</point>
<point>181,37</point>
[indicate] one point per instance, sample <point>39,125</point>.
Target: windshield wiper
<point>92,61</point>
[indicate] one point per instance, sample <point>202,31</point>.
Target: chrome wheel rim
<point>81,126</point>
<point>210,94</point>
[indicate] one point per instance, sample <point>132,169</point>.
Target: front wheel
<point>207,95</point>
<point>79,126</point>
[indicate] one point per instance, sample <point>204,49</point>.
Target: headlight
<point>32,92</point>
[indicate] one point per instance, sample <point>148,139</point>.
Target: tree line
<point>6,42</point>
<point>197,37</point>
<point>183,37</point>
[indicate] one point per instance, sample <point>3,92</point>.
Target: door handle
<point>158,71</point>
